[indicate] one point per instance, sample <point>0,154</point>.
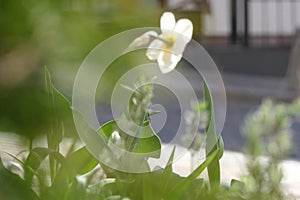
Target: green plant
<point>129,142</point>
<point>74,175</point>
<point>268,133</point>
<point>63,180</point>
<point>59,180</point>
<point>58,34</point>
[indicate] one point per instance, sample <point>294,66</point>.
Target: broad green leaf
<point>170,185</point>
<point>78,163</point>
<point>154,190</point>
<point>144,186</point>
<point>151,185</point>
<point>163,184</point>
<point>157,183</point>
<point>76,190</point>
<point>149,144</point>
<point>95,142</point>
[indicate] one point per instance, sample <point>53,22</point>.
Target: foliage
<point>268,132</point>
<point>58,34</point>
<point>76,174</point>
<point>65,179</point>
<point>46,173</point>
<point>64,171</point>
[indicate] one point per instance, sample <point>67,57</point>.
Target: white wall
<point>218,22</point>
<point>270,24</point>
<point>262,18</point>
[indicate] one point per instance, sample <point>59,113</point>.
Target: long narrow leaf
<point>180,188</point>
<point>206,163</point>
<point>22,163</point>
<point>13,186</point>
<point>36,157</point>
<point>211,140</point>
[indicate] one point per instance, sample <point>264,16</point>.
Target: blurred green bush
<point>57,34</point>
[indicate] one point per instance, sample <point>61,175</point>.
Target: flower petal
<point>180,44</point>
<point>185,28</point>
<point>143,39</point>
<point>169,58</point>
<point>167,22</point>
<point>167,61</point>
<point>154,49</point>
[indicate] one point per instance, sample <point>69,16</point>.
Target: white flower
<point>168,47</point>
<point>115,137</point>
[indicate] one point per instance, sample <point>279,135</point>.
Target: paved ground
<point>270,62</point>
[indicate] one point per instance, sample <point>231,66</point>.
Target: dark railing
<point>273,30</point>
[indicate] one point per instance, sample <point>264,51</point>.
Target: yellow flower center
<point>171,39</point>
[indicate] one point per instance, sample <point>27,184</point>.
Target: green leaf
<point>145,185</point>
<point>76,190</point>
<point>221,147</point>
<point>53,139</point>
<point>212,142</point>
<point>169,167</point>
<point>36,157</point>
<point>211,138</point>
<point>154,190</point>
<point>60,120</point>
<point>25,167</point>
<point>180,188</point>
<point>95,142</point>
<point>13,187</point>
<point>78,163</point>
<point>82,159</point>
<point>170,185</point>
<point>148,145</point>
<point>96,189</point>
<point>108,128</point>
<point>206,163</point>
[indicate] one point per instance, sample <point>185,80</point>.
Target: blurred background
<point>254,43</point>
